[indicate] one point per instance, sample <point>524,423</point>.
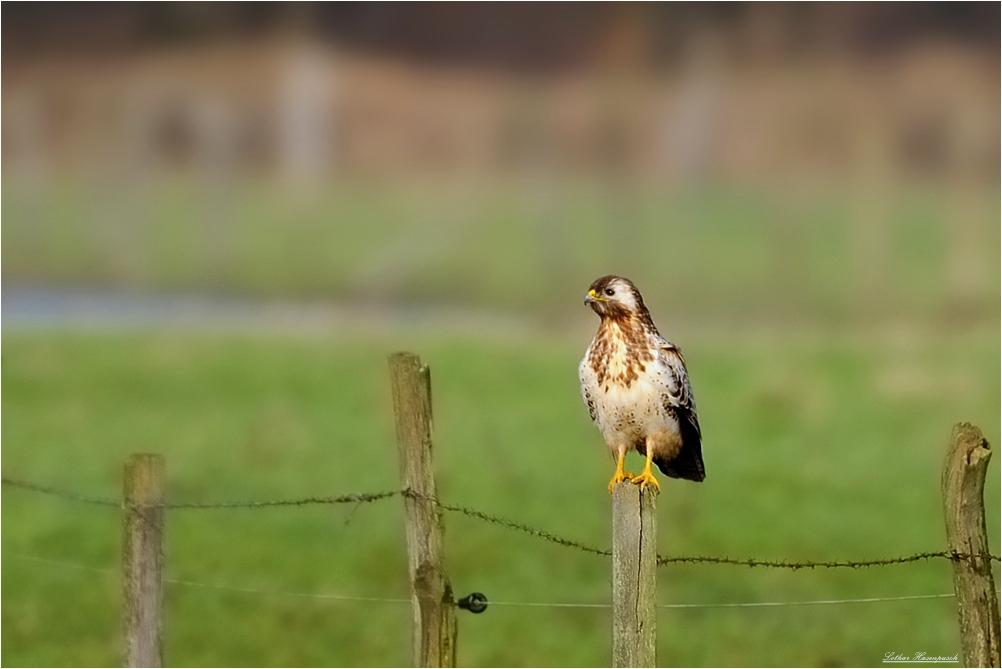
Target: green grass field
<point>832,344</point>
<point>818,445</point>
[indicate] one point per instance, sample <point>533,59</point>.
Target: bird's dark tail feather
<point>688,462</point>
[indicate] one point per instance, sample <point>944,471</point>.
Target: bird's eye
<point>610,292</point>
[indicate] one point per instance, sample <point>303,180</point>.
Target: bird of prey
<point>637,389</point>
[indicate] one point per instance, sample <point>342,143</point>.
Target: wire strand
<point>831,564</point>
<point>398,600</point>
<point>666,560</point>
<point>860,600</point>
<point>357,498</point>
<point>284,593</point>
<point>56,492</point>
<point>209,586</point>
<point>510,524</point>
<point>350,498</point>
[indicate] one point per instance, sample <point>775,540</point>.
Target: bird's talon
<point>646,478</point>
<point>619,477</point>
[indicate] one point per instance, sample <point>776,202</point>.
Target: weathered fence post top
<point>434,627</point>
<point>966,535</point>
<point>634,576</point>
<point>142,560</point>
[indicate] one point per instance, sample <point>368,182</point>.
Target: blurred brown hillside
<point>743,91</point>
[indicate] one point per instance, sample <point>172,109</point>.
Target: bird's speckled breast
<point>620,353</point>
<point>618,392</point>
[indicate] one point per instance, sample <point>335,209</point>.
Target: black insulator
<point>475,602</point>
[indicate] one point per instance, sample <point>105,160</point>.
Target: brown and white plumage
<point>637,389</point>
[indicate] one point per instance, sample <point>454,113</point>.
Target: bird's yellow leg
<point>647,476</point>
<point>621,474</point>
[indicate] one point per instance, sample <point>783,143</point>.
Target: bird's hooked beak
<point>592,297</point>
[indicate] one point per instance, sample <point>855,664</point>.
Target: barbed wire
<point>399,600</point>
<point>666,560</point>
<point>832,564</point>
<point>509,524</point>
<point>350,498</point>
<point>106,501</point>
<point>57,492</point>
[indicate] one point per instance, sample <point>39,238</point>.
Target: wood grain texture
<point>634,576</point>
<point>434,624</point>
<point>964,509</point>
<point>142,561</point>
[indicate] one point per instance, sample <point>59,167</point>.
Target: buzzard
<point>636,388</point>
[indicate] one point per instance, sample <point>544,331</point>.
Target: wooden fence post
<point>964,508</point>
<point>434,631</point>
<point>142,560</point>
<point>634,576</point>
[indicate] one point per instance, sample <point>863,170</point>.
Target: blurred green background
<point>219,221</point>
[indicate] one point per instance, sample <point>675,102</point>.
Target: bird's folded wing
<point>676,391</point>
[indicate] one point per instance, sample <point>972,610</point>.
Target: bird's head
<point>615,297</point>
